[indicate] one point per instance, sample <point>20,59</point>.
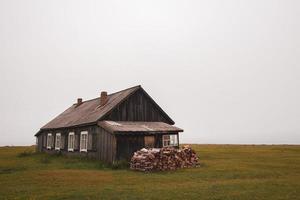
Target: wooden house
<point>110,127</point>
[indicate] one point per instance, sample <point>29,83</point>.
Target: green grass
<point>226,172</point>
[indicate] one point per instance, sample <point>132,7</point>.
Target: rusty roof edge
<point>109,94</point>
<point>38,133</point>
<point>110,130</point>
<point>145,132</point>
<point>74,126</point>
<point>137,86</point>
<point>104,127</point>
<point>57,115</point>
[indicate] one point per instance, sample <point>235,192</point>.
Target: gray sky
<point>225,71</point>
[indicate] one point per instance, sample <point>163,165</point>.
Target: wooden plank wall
<point>106,146</point>
<point>76,142</point>
<point>138,107</point>
<point>127,145</point>
<point>92,137</point>
<point>44,140</point>
<point>39,144</point>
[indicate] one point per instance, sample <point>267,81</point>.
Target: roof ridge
<point>137,86</point>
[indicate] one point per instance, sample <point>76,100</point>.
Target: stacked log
<point>162,159</point>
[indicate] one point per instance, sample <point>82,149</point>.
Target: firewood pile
<point>162,159</point>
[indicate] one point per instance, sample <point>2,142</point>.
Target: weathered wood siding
<point>92,139</point>
<point>102,145</point>
<point>106,146</point>
<point>62,140</point>
<point>127,145</point>
<point>53,140</point>
<point>76,141</point>
<point>39,144</point>
<point>138,107</point>
<point>44,138</point>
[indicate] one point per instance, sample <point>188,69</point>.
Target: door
<point>127,145</point>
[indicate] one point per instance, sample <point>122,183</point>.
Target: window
<point>166,140</point>
<point>83,140</point>
<point>170,140</point>
<point>71,141</point>
<point>173,140</point>
<point>57,141</point>
<point>49,141</point>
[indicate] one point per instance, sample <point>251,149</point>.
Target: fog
<point>224,71</point>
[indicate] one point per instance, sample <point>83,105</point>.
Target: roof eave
<point>74,126</point>
<point>144,132</point>
<point>38,133</point>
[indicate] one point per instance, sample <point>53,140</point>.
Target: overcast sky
<point>225,71</point>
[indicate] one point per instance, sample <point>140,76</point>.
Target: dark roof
<point>89,112</point>
<point>149,127</point>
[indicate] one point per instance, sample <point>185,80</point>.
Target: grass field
<point>226,172</point>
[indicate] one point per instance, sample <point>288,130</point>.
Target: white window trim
<point>86,142</point>
<point>49,143</point>
<point>57,147</point>
<point>69,142</point>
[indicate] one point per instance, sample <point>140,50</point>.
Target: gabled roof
<point>90,111</point>
<point>142,127</point>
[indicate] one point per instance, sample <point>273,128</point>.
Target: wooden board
<point>149,141</point>
<point>138,107</point>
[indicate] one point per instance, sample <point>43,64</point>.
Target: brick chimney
<point>103,98</point>
<point>79,101</point>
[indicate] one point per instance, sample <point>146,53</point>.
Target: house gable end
<point>139,106</point>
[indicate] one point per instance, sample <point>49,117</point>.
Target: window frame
<point>81,141</point>
<point>57,146</point>
<point>71,144</point>
<point>49,141</point>
<point>166,140</point>
<point>172,140</point>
